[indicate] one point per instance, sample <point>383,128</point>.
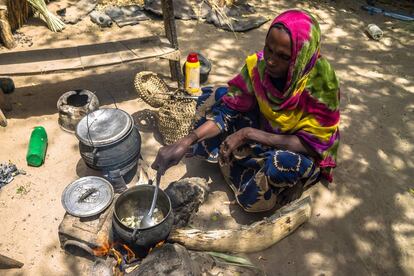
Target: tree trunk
<point>253,238</point>
<point>6,33</point>
<point>18,13</point>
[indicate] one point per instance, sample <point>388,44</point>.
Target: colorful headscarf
<point>309,104</point>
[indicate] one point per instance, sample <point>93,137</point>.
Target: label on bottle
<point>194,78</point>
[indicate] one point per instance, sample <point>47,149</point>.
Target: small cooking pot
<point>139,198</point>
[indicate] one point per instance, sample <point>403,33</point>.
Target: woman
<point>274,129</point>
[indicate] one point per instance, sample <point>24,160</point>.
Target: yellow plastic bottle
<point>192,75</point>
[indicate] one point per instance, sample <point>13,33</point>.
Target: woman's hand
<point>232,142</point>
<point>171,155</point>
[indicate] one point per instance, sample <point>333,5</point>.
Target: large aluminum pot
<point>138,200</point>
<point>108,140</point>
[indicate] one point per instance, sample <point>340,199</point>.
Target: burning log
<point>6,262</point>
<point>250,238</point>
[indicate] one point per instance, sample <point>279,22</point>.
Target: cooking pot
<point>109,140</point>
<point>131,202</point>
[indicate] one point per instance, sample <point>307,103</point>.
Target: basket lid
<point>87,196</point>
<point>104,126</point>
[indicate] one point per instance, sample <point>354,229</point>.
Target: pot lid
<point>103,127</point>
<point>87,196</point>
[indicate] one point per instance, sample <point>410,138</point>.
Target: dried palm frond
<point>218,7</point>
<point>53,22</point>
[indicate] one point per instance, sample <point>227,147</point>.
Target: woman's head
<point>277,51</point>
<point>292,45</point>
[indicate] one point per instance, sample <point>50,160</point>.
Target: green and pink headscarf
<point>308,106</point>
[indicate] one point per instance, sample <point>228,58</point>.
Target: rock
<point>176,260</point>
<point>186,197</point>
<point>237,18</point>
<point>210,266</point>
<point>76,12</point>
<point>170,259</point>
<point>183,9</point>
<point>123,16</point>
<point>100,19</point>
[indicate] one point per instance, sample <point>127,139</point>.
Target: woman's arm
<point>169,156</point>
<point>279,141</point>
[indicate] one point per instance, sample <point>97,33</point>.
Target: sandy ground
<point>362,224</point>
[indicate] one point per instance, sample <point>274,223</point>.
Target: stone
<point>169,259</point>
<point>186,197</point>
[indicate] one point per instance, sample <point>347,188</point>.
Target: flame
<point>131,254</point>
<point>161,243</point>
<point>119,251</point>
<point>115,250</point>
<point>106,245</point>
<point>117,255</point>
<point>102,250</point>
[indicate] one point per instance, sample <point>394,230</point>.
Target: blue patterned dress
<point>257,174</point>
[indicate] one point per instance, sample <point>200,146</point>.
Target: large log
<point>5,30</point>
<point>6,262</point>
<point>253,238</point>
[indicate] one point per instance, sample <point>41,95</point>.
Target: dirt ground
<point>362,223</point>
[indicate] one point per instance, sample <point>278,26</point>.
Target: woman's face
<point>277,52</point>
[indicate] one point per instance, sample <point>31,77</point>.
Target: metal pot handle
<point>94,155</point>
<point>80,245</point>
<point>135,234</point>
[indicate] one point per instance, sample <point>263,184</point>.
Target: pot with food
<point>130,208</point>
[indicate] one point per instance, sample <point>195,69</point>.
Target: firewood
<point>5,30</point>
<point>253,238</point>
<point>6,262</point>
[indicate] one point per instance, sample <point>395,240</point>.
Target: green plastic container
<point>37,147</point>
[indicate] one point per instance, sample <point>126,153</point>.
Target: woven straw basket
<point>151,88</point>
<point>175,116</point>
<point>175,120</point>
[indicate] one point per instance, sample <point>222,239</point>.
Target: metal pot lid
<point>87,196</point>
<point>103,127</point>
